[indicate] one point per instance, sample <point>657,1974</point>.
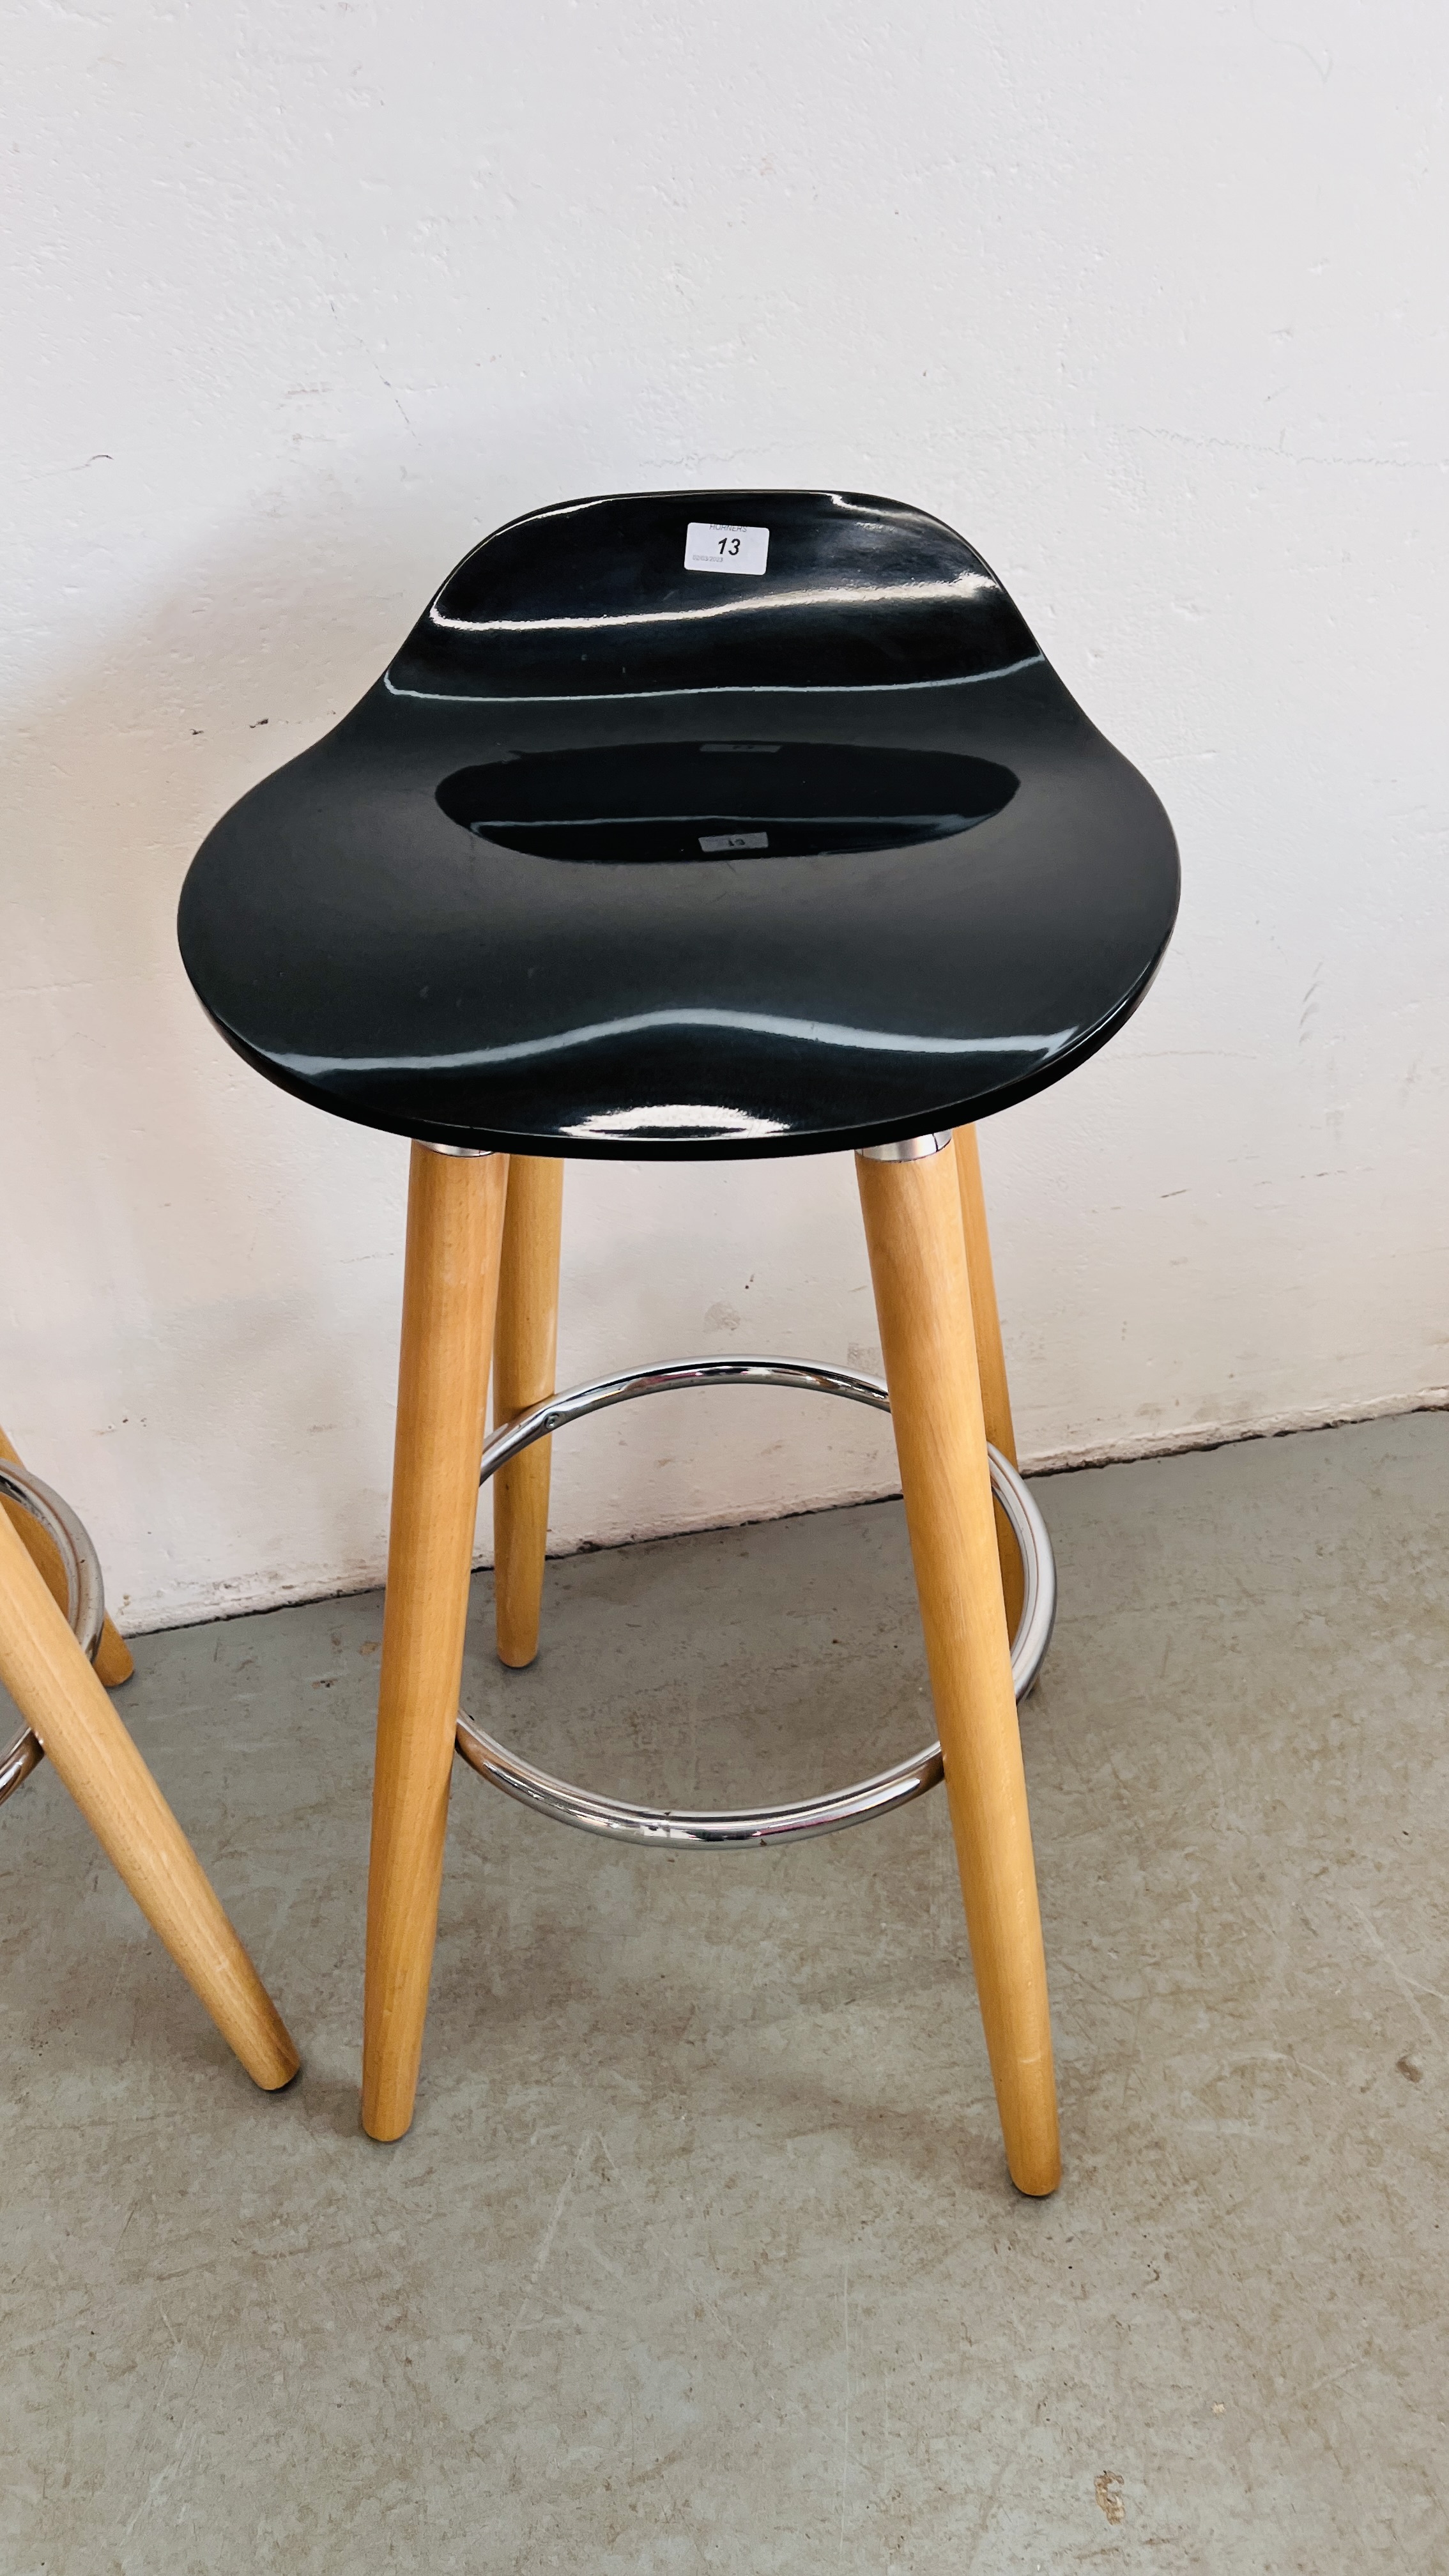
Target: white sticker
<point>711,547</point>
<point>710,842</point>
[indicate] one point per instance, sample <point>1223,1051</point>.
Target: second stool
<point>694,826</point>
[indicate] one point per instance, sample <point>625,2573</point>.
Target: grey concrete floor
<point>701,2253</point>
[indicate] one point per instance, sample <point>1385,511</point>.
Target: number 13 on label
<point>711,546</point>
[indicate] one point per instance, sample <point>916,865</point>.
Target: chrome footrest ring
<point>85,1600</point>
<point>746,1828</point>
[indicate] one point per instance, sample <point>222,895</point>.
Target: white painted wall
<point>305,295</point>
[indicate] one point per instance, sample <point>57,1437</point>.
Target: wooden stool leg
<point>450,1287</point>
<point>60,1697</point>
<point>990,1358</point>
<point>923,1300</point>
<point>113,1655</point>
<point>525,1345</point>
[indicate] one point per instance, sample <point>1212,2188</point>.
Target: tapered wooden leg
<point>59,1696</point>
<point>113,1655</point>
<point>525,1346</point>
<point>990,1358</point>
<point>450,1287</point>
<point>923,1300</point>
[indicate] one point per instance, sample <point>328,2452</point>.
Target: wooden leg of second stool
<point>923,1300</point>
<point>450,1287</point>
<point>60,1697</point>
<point>525,1345</point>
<point>990,1357</point>
<point>113,1655</point>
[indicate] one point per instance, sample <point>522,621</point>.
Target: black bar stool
<point>695,825</point>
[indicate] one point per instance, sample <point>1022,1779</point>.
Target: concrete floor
<point>701,2253</point>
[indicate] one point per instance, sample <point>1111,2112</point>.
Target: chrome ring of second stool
<point>85,1599</point>
<point>745,1828</point>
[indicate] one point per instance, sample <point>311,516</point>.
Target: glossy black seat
<point>626,857</point>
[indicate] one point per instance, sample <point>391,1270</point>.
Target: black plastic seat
<point>622,857</point>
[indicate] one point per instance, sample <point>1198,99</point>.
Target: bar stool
<point>56,1646</point>
<point>695,826</point>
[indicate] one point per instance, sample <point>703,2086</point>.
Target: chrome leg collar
<point>739,1829</point>
<point>908,1149</point>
